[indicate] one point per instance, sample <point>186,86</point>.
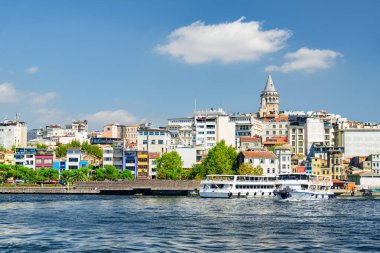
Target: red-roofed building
<point>265,159</point>
<point>250,143</point>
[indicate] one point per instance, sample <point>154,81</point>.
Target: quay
<point>138,187</point>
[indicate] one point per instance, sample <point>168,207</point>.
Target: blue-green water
<point>46,223</point>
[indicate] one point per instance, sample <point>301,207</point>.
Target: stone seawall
<point>138,187</point>
<point>46,190</point>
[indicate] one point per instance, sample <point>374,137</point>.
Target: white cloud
<point>308,60</point>
<point>8,93</point>
<point>109,117</point>
<point>225,42</point>
<point>45,115</point>
<point>41,99</point>
<point>32,70</point>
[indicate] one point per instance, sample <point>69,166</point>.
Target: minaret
<point>269,99</point>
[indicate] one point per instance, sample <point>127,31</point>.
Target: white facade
<point>213,126</point>
<point>246,125</point>
<point>275,129</point>
<point>225,130</point>
<point>107,156</point>
<point>26,160</point>
<point>374,159</point>
<point>296,138</point>
<point>267,160</point>
<point>314,132</point>
<point>359,142</point>
<point>188,156</point>
<point>154,140</point>
<point>182,131</point>
<point>284,159</point>
<point>74,156</point>
<point>13,133</point>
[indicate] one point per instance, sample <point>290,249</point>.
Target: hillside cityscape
<point>277,141</point>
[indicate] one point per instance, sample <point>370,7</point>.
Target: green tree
<point>221,159</point>
<point>111,172</point>
<point>273,147</point>
<point>127,174</point>
<point>74,144</point>
<point>67,176</point>
<point>258,171</point>
<point>246,169</point>
<point>169,166</point>
<point>61,150</point>
<point>48,174</point>
<point>100,174</point>
<point>249,169</point>
<point>41,145</point>
<point>79,175</point>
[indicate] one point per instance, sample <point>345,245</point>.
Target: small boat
<point>237,186</point>
<point>303,187</point>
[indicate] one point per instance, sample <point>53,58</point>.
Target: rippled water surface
<point>45,223</point>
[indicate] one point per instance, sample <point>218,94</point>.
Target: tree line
<point>86,147</point>
<point>43,175</point>
<point>221,159</point>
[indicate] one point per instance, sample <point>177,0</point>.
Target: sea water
<point>80,223</point>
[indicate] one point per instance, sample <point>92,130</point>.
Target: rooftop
<point>259,154</point>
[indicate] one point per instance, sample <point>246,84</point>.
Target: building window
<point>153,142</point>
<point>48,161</point>
<point>72,160</point>
<point>38,160</point>
<point>161,142</point>
<point>145,141</point>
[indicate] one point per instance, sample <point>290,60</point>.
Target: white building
<point>74,157</point>
<point>188,156</point>
<point>13,133</point>
<point>277,127</point>
<point>154,140</point>
<point>246,125</point>
<point>267,160</point>
<point>374,159</point>
<point>107,156</point>
<point>284,154</point>
<point>213,126</point>
<point>314,132</point>
<point>365,180</point>
<point>296,138</point>
<point>182,131</point>
<point>358,141</point>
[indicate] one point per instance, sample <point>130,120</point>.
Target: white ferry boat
<point>297,187</point>
<point>237,186</point>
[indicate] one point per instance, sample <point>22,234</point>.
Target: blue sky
<point>132,61</point>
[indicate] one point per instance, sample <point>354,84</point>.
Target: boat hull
<point>295,195</point>
<point>247,194</point>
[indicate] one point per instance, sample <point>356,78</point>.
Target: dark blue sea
<point>60,223</point>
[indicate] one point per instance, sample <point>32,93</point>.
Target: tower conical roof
<point>269,86</point>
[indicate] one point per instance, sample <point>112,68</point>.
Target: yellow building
<point>7,157</point>
<point>335,163</point>
<point>142,165</point>
<point>320,166</point>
